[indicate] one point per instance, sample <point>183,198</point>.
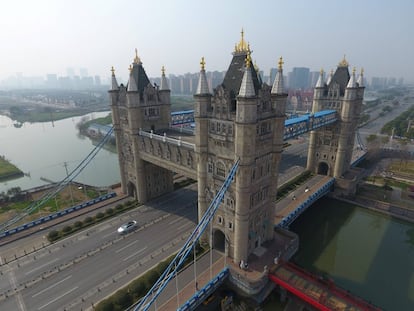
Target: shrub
<point>138,289</point>
<point>150,278</point>
<point>100,215</point>
<point>53,235</point>
<point>123,299</point>
<point>106,305</point>
<point>109,211</point>
<point>67,229</point>
<point>119,207</point>
<point>78,224</point>
<point>88,220</point>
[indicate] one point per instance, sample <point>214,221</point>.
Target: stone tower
<point>140,105</point>
<point>331,147</point>
<point>243,119</point>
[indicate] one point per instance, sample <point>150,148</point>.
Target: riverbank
<point>8,170</point>
<point>381,206</point>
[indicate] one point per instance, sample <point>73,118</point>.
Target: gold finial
<point>163,70</point>
<point>248,60</point>
<point>242,46</point>
<point>321,71</point>
<point>130,68</point>
<point>202,63</point>
<point>137,60</point>
<point>113,70</point>
<point>343,62</point>
<point>353,70</point>
<point>280,63</point>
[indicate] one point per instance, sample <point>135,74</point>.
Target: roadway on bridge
<point>95,262</point>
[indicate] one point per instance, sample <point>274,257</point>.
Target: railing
<point>204,292</point>
<point>165,139</point>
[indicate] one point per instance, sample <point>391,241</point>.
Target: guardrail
<point>50,217</point>
<point>166,139</point>
<point>204,292</point>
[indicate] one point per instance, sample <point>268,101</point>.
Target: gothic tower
<point>331,147</point>
<point>243,119</point>
<point>140,105</point>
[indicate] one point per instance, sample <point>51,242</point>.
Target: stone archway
<point>219,240</point>
<point>323,168</point>
<point>132,190</point>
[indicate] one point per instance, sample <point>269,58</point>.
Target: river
<point>365,252</point>
<point>41,150</point>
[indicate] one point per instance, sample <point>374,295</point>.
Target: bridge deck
<point>289,203</point>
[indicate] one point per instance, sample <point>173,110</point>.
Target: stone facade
<point>331,147</point>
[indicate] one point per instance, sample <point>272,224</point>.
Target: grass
<point>8,169</point>
<point>406,167</point>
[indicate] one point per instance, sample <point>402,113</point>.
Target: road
<point>73,273</point>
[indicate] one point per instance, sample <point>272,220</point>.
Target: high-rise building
<point>299,78</point>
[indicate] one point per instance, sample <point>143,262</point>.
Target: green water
<point>367,253</point>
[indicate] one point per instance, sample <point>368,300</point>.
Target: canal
<point>368,253</point>
<point>44,150</point>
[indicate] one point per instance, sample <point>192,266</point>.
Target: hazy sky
<point>47,36</point>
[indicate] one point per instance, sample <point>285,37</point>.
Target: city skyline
<point>47,37</point>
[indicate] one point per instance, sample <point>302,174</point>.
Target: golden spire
<point>343,62</point>
<point>242,46</point>
<point>130,68</point>
<point>137,60</point>
<point>163,70</point>
<point>280,63</point>
<point>248,59</point>
<point>202,63</point>
<point>113,70</point>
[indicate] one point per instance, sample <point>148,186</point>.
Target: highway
<point>84,268</point>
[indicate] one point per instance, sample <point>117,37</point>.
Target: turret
<point>164,82</point>
<point>278,93</point>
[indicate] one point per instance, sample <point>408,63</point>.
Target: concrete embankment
<point>382,207</point>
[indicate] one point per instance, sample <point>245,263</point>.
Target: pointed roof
<point>321,82</point>
<point>139,75</point>
<point>331,73</point>
<point>132,85</point>
<point>234,75</point>
<point>164,82</point>
<point>202,87</point>
<point>352,80</point>
<point>114,83</point>
<point>278,87</point>
<point>361,78</point>
<point>341,76</point>
<point>247,87</point>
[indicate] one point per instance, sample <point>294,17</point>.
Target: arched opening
<point>132,191</point>
<point>218,240</point>
<point>323,168</point>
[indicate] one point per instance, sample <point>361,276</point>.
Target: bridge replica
<point>234,152</point>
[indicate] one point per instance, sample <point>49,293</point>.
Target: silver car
<point>128,227</point>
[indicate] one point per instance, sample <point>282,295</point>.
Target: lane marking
<point>107,235</point>
<point>134,254</point>
<point>183,226</point>
<point>42,266</point>
<point>51,286</point>
<point>57,298</point>
<point>174,221</point>
<point>126,246</point>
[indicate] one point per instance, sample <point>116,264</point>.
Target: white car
<point>128,227</point>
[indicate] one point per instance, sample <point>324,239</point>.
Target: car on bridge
<point>128,227</point>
